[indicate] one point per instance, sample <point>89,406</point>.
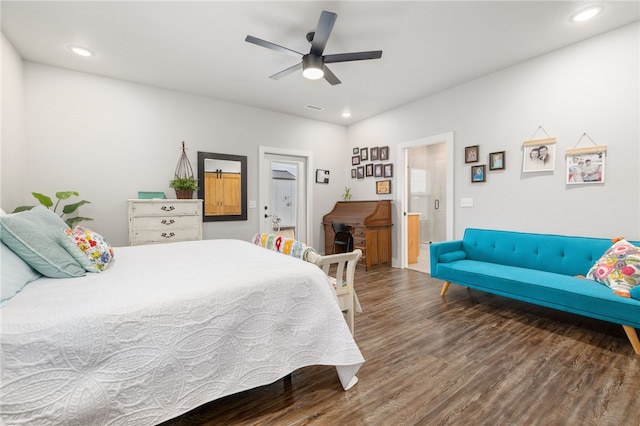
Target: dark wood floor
<point>467,359</point>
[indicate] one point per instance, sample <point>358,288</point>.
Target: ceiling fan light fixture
<point>312,66</point>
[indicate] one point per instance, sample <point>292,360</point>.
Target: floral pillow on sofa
<point>618,268</point>
<point>98,251</point>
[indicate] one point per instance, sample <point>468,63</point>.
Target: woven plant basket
<point>184,194</point>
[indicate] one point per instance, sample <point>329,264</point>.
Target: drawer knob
<point>167,222</point>
<point>167,209</point>
<point>169,235</point>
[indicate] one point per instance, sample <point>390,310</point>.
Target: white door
<point>284,193</point>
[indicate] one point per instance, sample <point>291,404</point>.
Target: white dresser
<point>164,221</point>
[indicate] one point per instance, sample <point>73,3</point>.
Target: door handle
<point>436,204</point>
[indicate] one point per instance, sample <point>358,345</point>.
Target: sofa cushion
<point>451,256</point>
<point>575,295</point>
<point>618,268</point>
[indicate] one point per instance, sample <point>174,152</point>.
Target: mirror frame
<point>243,185</point>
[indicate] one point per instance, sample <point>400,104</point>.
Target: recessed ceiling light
<point>81,51</point>
<point>346,114</point>
<point>586,14</point>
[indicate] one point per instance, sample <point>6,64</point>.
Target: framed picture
<point>322,176</point>
<point>496,160</point>
<point>360,172</point>
<point>388,170</point>
<point>355,160</point>
<point>364,154</point>
<point>585,168</point>
<point>478,173</point>
<point>377,170</point>
<point>383,187</point>
<point>353,173</point>
<point>471,154</point>
<point>539,155</point>
<point>374,153</point>
<point>384,153</point>
<point>368,170</point>
<point>356,151</point>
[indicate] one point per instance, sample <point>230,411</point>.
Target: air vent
<point>314,107</point>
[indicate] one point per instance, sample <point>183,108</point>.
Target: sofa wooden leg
<point>445,286</point>
<point>633,338</point>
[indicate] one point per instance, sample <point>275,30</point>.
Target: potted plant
<point>184,186</point>
<point>46,201</point>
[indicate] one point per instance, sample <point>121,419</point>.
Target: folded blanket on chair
<point>285,245</point>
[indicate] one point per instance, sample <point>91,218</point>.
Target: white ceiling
<point>198,47</point>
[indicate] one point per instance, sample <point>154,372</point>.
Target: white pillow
<point>15,274</point>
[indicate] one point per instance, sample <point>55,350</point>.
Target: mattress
<point>167,328</point>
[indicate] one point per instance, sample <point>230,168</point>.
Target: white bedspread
<point>167,328</point>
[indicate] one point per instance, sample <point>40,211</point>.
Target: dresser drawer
<point>165,222</point>
<point>153,236</point>
<point>165,209</point>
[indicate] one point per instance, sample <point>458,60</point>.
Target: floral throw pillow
<point>93,245</point>
<point>618,268</point>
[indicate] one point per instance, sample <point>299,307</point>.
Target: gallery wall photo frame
<point>478,173</point>
<point>356,151</point>
<point>539,155</point>
<point>355,160</point>
<point>373,153</point>
<point>472,154</point>
<point>383,153</point>
<point>322,176</point>
<point>377,170</point>
<point>360,172</point>
<point>353,173</point>
<point>586,165</point>
<point>364,154</point>
<point>368,170</point>
<point>383,187</point>
<point>388,170</point>
<point>497,160</point>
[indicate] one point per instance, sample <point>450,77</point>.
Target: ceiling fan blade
<point>321,36</point>
<point>287,71</point>
<point>330,77</point>
<point>273,46</point>
<point>355,56</point>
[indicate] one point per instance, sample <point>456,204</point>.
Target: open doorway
<point>426,198</point>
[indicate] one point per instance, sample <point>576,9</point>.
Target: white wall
<point>13,144</point>
<point>590,87</point>
<point>109,139</point>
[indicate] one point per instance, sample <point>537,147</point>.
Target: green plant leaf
<point>73,220</point>
<point>22,209</point>
<point>63,195</point>
<point>43,199</point>
<point>70,208</point>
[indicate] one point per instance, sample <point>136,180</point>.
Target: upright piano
<point>370,224</point>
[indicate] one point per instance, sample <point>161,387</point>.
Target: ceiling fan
<point>313,63</point>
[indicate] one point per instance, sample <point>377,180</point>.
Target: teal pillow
<point>451,256</point>
<point>15,274</point>
<point>37,237</point>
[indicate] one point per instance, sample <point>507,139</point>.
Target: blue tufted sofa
<point>535,268</point>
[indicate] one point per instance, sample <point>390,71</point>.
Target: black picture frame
<point>472,154</point>
<point>356,151</point>
<point>373,153</point>
<point>353,173</point>
<point>355,160</point>
<point>368,170</point>
<point>384,153</point>
<point>360,172</point>
<point>322,176</point>
<point>388,170</point>
<point>497,160</point>
<point>383,187</point>
<point>478,173</point>
<point>364,154</point>
<point>377,170</point>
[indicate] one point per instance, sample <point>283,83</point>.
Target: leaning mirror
<point>222,184</point>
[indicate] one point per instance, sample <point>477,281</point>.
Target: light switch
<point>466,202</point>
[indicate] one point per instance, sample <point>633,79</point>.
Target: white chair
<point>342,280</point>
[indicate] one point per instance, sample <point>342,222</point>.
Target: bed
<point>165,329</point>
